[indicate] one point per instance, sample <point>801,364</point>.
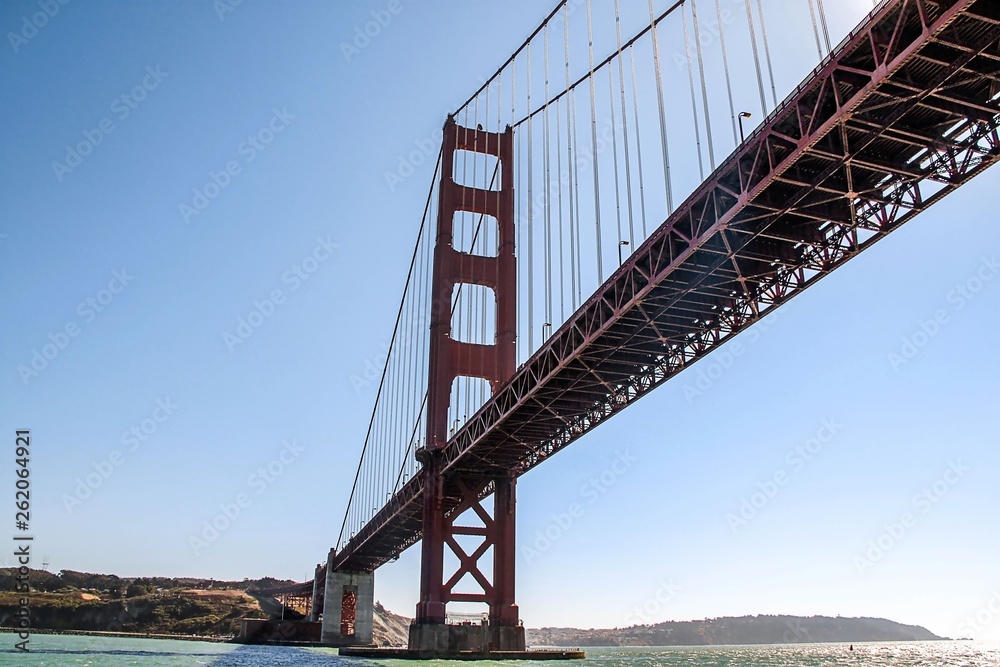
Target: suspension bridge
<point>624,195</point>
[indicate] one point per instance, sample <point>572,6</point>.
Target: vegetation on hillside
<point>158,605</point>
<point>186,606</point>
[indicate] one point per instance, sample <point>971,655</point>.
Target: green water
<point>74,651</point>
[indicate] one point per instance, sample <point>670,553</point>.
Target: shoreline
<point>221,640</point>
<point>126,635</point>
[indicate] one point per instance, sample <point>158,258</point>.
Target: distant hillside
<point>203,607</point>
<point>86,602</point>
<point>107,603</point>
<point>743,630</point>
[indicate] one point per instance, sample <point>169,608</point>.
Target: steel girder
<point>902,113</point>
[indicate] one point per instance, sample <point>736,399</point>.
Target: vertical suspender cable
<point>562,247</point>
<point>579,209</point>
<point>484,250</point>
<point>593,133</point>
<point>826,28</point>
<point>756,60</point>
<point>548,191</point>
<point>812,14</point>
<point>518,228</point>
<point>694,101</point>
<point>531,213</point>
<point>614,154</point>
<point>663,118</point>
<point>638,142</point>
<point>628,165</point>
<point>767,51</point>
<point>725,65</point>
<point>392,340</point>
<point>704,84</point>
<point>570,166</point>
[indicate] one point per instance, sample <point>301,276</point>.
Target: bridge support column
<point>348,608</point>
<point>503,610</point>
<point>319,589</point>
<point>446,498</point>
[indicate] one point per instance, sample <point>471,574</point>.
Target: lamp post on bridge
<point>743,114</point>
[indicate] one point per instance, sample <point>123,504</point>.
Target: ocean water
<point>77,651</point>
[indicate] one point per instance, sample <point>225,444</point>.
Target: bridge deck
<point>901,114</point>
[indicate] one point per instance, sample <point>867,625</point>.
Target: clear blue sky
<point>305,210</point>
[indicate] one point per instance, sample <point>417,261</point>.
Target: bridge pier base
<point>440,640</point>
<point>348,608</point>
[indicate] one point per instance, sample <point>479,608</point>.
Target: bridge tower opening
<point>448,496</point>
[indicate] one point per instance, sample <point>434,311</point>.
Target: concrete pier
<point>348,608</point>
<point>433,640</point>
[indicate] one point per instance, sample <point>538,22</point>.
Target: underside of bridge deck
<point>900,115</point>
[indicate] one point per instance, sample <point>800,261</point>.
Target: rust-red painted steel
<point>902,113</point>
<point>450,359</point>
